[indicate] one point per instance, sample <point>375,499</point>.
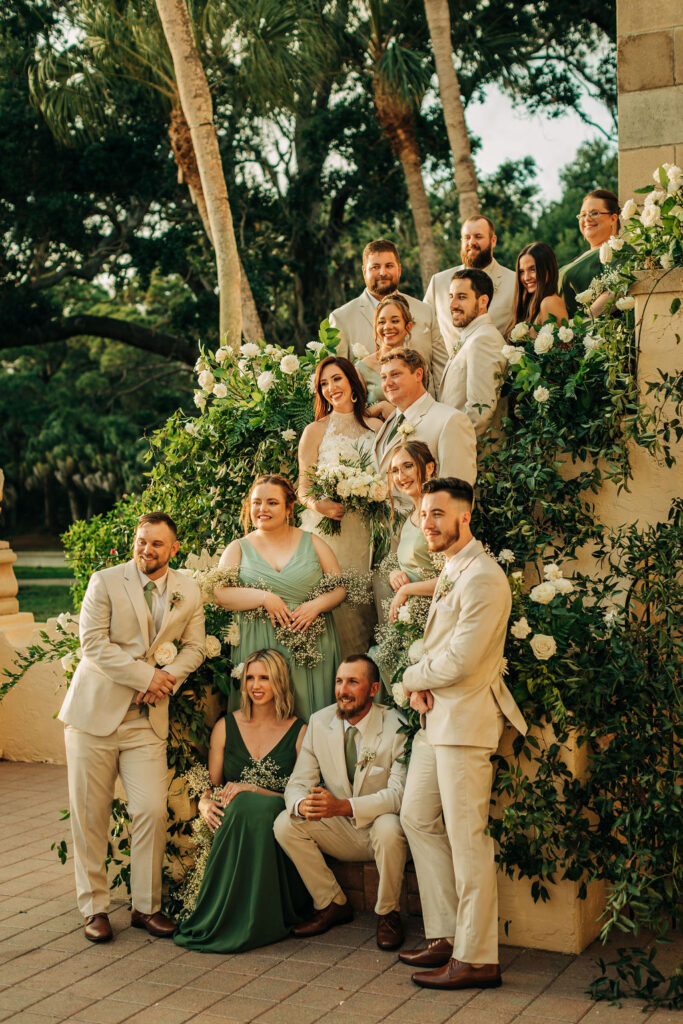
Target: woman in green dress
<point>251,893</point>
<point>393,326</point>
<point>279,566</point>
<point>598,221</point>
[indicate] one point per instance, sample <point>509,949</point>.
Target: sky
<point>507,132</point>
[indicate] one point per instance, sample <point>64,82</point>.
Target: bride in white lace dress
<point>341,427</point>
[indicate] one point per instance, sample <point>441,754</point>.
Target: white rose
<point>563,586</point>
<point>404,613</point>
<point>651,216</point>
<point>399,696</point>
<point>64,619</point>
<point>220,390</point>
<point>543,646</point>
<point>666,261</point>
<point>521,628</point>
<point>212,646</point>
<point>200,399</point>
<point>206,380</point>
<point>416,651</point>
<point>656,196</point>
<point>232,635</point>
<point>288,434</point>
<point>552,572</point>
<point>69,662</point>
<point>237,671</point>
<point>585,298</point>
<point>626,302</point>
<point>605,253</point>
<point>674,185</point>
<point>673,171</point>
<point>359,351</point>
<point>289,364</point>
<point>192,429</point>
<point>565,334</point>
<point>518,575</point>
<point>222,354</point>
<point>591,343</point>
<point>165,653</point>
<point>616,243</point>
<point>250,350</point>
<point>311,384</point>
<point>265,381</point>
<point>541,394</point>
<point>547,328</point>
<point>506,555</point>
<point>629,210</point>
<point>543,343</point>
<point>543,593</point>
<point>200,365</point>
<point>512,353</point>
<point>518,332</point>
<point>270,350</point>
<point>315,347</point>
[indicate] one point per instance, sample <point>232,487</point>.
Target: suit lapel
<point>380,437</point>
<point>369,741</point>
<point>131,582</point>
<point>367,309</point>
<point>477,550</point>
<point>171,586</point>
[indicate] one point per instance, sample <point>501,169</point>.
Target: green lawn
<point>42,572</point>
<point>45,602</point>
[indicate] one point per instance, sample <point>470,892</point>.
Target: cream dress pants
<point>444,815</point>
<point>136,753</point>
<point>305,842</point>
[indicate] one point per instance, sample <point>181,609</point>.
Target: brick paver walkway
<point>49,973</point>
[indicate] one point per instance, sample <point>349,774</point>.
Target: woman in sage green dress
<point>393,327</point>
<point>598,221</point>
<point>251,893</point>
<point>279,565</point>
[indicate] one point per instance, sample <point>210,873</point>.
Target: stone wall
<point>650,78</point>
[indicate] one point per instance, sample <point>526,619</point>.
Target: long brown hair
<point>401,303</point>
<point>277,481</point>
<point>526,307</point>
<point>358,392</point>
<point>421,455</point>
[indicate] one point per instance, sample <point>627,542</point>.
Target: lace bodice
<point>344,436</point>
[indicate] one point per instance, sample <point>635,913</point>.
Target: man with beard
<point>457,687</point>
<point>356,320</point>
<point>343,799</point>
<point>142,633</point>
<point>472,378</point>
<point>478,238</point>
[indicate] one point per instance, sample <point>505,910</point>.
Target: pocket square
<point>374,769</point>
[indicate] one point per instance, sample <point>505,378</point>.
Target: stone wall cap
<point>658,280</point>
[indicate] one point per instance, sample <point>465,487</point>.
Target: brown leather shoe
<point>156,924</point>
<point>437,953</point>
<point>389,930</point>
<point>97,928</point>
<point>322,920</point>
<point>457,974</point>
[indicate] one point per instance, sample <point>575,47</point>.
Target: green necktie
<point>392,433</point>
<point>149,589</point>
<point>351,752</point>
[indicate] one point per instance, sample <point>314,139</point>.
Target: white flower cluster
<point>212,646</point>
<point>342,480</point>
<point>399,696</point>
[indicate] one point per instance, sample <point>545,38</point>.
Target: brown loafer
<point>97,928</point>
<point>157,924</point>
<point>330,916</point>
<point>389,930</point>
<point>457,974</point>
<point>436,953</point>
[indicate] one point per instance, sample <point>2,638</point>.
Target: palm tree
<point>439,21</point>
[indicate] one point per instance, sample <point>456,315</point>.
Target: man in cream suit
<point>473,376</point>
<point>448,432</point>
<point>355,321</point>
<point>457,687</point>
<point>478,242</point>
<point>142,632</point>
<point>354,747</point>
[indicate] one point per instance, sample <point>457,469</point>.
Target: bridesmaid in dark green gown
<point>251,894</point>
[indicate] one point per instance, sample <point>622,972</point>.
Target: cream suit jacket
<point>463,658</point>
<point>355,323</point>
<point>377,788</point>
<point>448,433</point>
<point>500,308</point>
<point>116,633</point>
<point>473,375</point>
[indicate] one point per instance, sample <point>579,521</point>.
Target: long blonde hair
<point>278,674</point>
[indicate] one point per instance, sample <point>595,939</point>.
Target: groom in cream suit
<point>142,632</point>
<point>458,689</point>
<point>355,748</point>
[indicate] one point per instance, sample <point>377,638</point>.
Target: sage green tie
<point>149,589</point>
<point>351,752</point>
<point>392,433</point>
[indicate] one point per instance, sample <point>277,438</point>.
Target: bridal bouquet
<point>354,483</point>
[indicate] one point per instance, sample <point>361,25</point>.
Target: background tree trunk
<point>195,99</point>
<point>439,21</point>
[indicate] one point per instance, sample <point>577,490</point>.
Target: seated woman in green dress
<point>598,221</point>
<point>251,893</point>
<point>536,297</point>
<point>280,571</point>
<point>393,326</point>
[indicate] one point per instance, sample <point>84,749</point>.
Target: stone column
<point>650,77</point>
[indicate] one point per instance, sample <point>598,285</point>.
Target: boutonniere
<point>405,429</point>
<point>365,758</point>
<point>176,598</point>
<point>445,586</point>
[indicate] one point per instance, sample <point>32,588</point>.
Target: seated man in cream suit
<point>355,748</point>
<point>447,432</point>
<point>473,376</point>
<point>142,633</point>
<point>457,687</point>
<point>356,320</point>
<point>478,239</point>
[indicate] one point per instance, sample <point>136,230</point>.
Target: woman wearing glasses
<point>598,221</point>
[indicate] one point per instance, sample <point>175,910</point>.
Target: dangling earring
<point>354,398</point>
<point>408,337</point>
